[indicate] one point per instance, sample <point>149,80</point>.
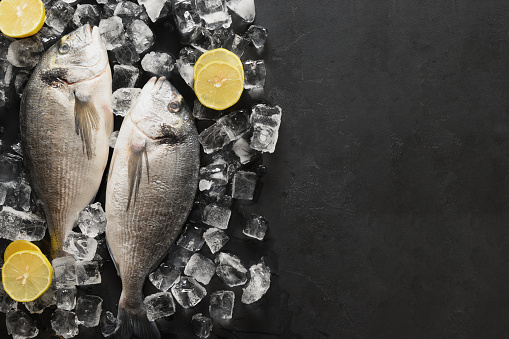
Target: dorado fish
<point>65,120</point>
<point>151,186</point>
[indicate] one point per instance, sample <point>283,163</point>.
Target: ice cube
<point>188,292</point>
<point>213,138</point>
<point>217,194</point>
<point>23,195</point>
<point>214,13</point>
<point>203,40</point>
<point>66,297</point>
<point>244,151</point>
<point>237,45</point>
<point>5,41</point>
<point>128,11</point>
<point>80,246</point>
<point>201,325</point>
<point>112,33</point>
<point>6,302</point>
<point>48,36</point>
<point>108,8</point>
<point>159,305</point>
<point>221,304</point>
<point>59,15</point>
<point>185,16</point>
<point>10,166</point>
<point>64,271</point>
<point>256,227</point>
<point>20,81</point>
<point>244,184</point>
<point>126,54</point>
<point>200,268</point>
<point>235,124</point>
<point>254,74</point>
<point>257,35</point>
<point>156,9</point>
<point>164,277</point>
<point>88,310</point>
<point>112,140</point>
<point>87,273</point>
<point>215,239</point>
<point>191,238</point>
<point>213,175</point>
<point>109,324</point>
<point>92,220</point>
<point>201,112</point>
<point>186,72</point>
<point>243,8</point>
<point>20,325</point>
<point>47,299</point>
<point>19,225</point>
<point>158,63</point>
<point>3,96</point>
<point>216,216</point>
<point>265,121</point>
<point>141,36</point>
<point>230,270</point>
<point>178,256</point>
<point>258,285</point>
<point>6,71</point>
<point>86,14</point>
<point>189,55</point>
<point>64,323</point>
<point>123,99</point>
<point>124,76</point>
<point>25,52</point>
<point>223,35</point>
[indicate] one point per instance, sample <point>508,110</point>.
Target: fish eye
<point>64,48</point>
<point>174,106</point>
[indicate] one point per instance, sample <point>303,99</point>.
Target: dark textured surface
<point>387,193</point>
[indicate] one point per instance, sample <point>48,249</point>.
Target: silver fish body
<point>65,121</point>
<point>151,187</point>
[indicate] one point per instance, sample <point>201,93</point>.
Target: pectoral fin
<point>86,119</point>
<point>135,170</point>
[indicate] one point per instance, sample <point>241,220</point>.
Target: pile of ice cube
<point>80,268</point>
<point>233,141</point>
<point>19,217</point>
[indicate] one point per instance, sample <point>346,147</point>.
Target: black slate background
<point>388,193</point>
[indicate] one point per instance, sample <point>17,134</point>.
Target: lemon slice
<point>218,85</point>
<point>218,54</point>
<point>21,18</point>
<point>26,275</point>
<point>19,245</point>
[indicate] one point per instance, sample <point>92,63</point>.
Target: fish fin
<point>134,323</point>
<point>135,171</point>
<point>86,119</point>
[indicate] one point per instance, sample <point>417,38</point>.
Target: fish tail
<point>133,322</point>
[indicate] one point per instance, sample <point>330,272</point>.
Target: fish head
<point>78,56</point>
<point>161,112</point>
